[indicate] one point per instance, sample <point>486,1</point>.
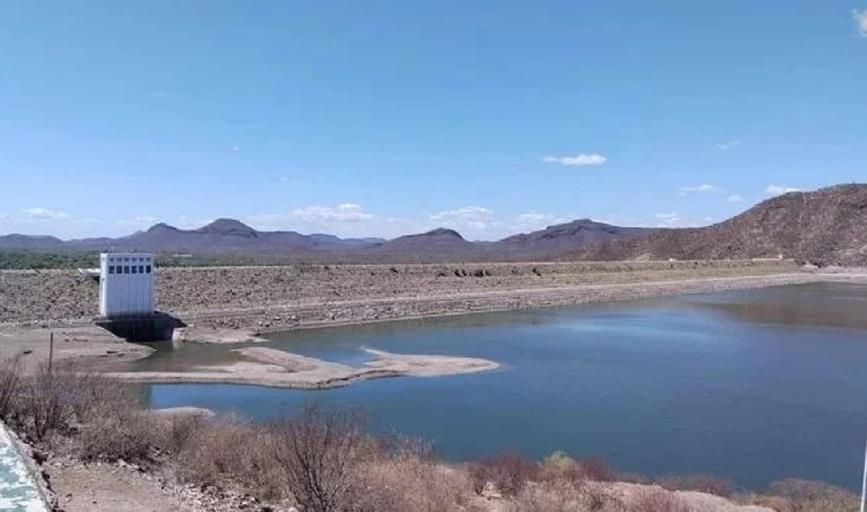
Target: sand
<point>276,368</point>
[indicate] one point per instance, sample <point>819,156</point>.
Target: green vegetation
<point>23,259</point>
<point>19,259</point>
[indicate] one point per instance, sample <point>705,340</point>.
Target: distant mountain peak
<point>161,226</point>
<point>442,232</point>
<point>225,226</point>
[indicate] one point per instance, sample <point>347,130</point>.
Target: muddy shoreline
<point>78,341</point>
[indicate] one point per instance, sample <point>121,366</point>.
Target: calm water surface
<point>753,386</point>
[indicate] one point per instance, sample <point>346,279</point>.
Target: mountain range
<point>827,226</point>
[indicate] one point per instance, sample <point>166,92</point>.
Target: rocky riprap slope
<point>65,295</point>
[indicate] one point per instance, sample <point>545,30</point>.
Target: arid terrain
<point>238,304</point>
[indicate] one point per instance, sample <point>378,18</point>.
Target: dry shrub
<point>46,404</point>
<point>563,496</point>
<point>225,452</point>
<point>10,386</point>
<point>599,470</point>
<point>809,496</point>
<point>178,432</point>
<point>507,472</point>
<point>401,484</point>
<point>320,453</point>
<point>559,466</point>
<point>657,500</point>
<point>121,435</point>
<point>702,483</point>
<point>553,496</point>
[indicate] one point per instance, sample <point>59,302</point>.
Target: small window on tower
<point>148,269</point>
<point>111,269</point>
<point>133,269</point>
<point>126,269</point>
<point>141,269</point>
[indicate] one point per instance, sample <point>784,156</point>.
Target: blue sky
<point>384,118</point>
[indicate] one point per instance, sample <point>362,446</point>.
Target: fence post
<point>50,350</point>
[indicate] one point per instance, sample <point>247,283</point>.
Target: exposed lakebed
<point>754,385</point>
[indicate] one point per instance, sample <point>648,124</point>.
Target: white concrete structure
<point>126,284</point>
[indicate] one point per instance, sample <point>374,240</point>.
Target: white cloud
<point>776,190</point>
<point>734,198</point>
<point>667,220</point>
<point>346,212</point>
<point>682,191</point>
<point>533,221</point>
<point>465,213</point>
<point>580,159</point>
<point>235,149</point>
<point>44,214</point>
<point>861,20</point>
<point>139,220</point>
<point>285,179</point>
<point>477,217</point>
<point>729,144</point>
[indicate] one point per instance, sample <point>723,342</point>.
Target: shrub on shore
<point>323,461</point>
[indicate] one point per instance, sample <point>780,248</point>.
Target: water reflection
<point>754,386</point>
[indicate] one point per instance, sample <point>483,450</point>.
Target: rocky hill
<point>825,227</point>
<point>220,236</point>
<point>561,238</point>
<point>232,236</point>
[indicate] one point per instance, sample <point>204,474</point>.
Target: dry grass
<point>323,461</point>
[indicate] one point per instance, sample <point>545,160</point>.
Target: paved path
<point>18,489</point>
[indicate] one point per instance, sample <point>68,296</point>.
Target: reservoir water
<point>753,386</point>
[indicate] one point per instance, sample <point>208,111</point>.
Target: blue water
<point>753,386</point>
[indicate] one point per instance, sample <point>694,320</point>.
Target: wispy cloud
<point>734,198</point>
<point>477,217</point>
<point>285,179</point>
<point>346,212</point>
<point>236,149</point>
<point>705,187</point>
<point>139,221</point>
<point>532,221</point>
<point>581,159</point>
<point>668,220</point>
<point>44,214</point>
<point>776,190</point>
<point>860,21</point>
<point>729,144</point>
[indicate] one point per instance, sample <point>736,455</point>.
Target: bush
<point>657,500</point>
<point>408,483</point>
<point>508,473</point>
<point>10,386</point>
<point>702,483</point>
<point>598,470</point>
<point>319,454</point>
<point>808,496</point>
<point>225,451</point>
<point>45,404</point>
<point>121,436</point>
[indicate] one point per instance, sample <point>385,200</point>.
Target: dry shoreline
<point>269,367</point>
<point>411,292</point>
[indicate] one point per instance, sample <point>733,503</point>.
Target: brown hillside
<point>826,227</point>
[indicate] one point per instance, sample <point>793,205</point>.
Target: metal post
<point>50,350</point>
<point>864,479</point>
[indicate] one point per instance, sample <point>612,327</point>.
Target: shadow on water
<point>150,328</point>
